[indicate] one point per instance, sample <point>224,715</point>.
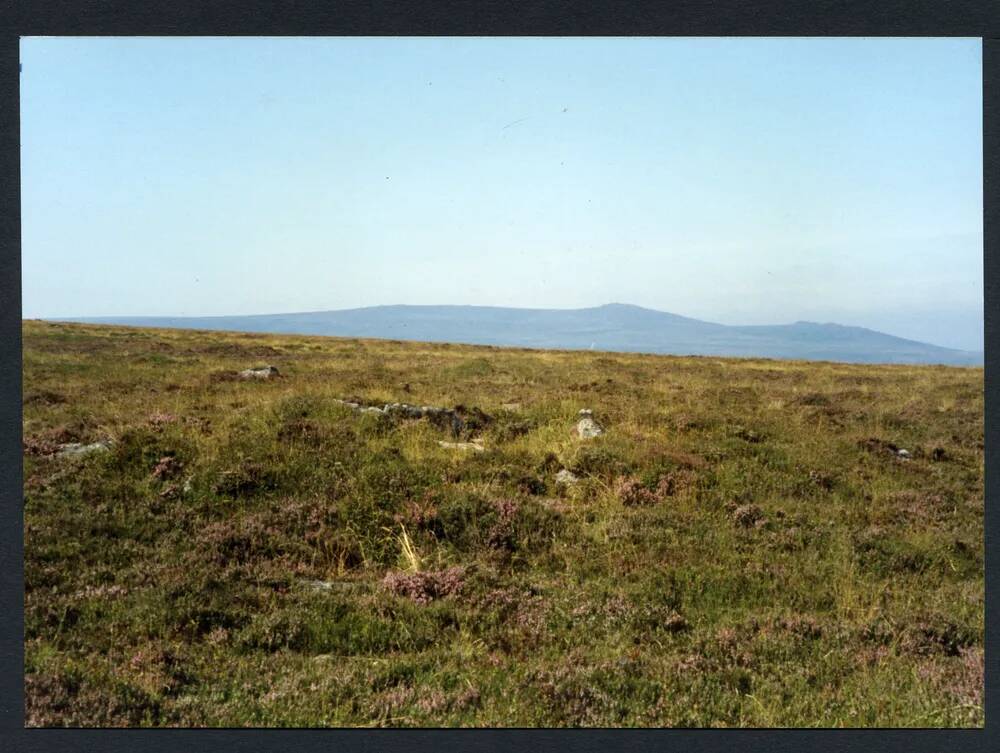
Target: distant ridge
<point>612,327</point>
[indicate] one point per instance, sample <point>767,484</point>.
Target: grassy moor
<point>722,542</point>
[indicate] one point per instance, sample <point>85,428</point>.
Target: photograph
<point>502,382</point>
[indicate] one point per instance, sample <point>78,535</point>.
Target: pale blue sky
<point>735,180</point>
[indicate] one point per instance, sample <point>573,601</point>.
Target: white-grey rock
<point>319,585</point>
<point>904,454</point>
<point>567,478</point>
<point>75,449</point>
<point>404,409</point>
<point>475,445</point>
<point>331,585</point>
<point>259,372</point>
<point>587,427</point>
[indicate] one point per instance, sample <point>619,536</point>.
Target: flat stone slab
<point>475,445</point>
<point>259,372</point>
<point>457,419</point>
<point>75,449</point>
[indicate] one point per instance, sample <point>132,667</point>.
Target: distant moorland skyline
<point>739,181</point>
<point>616,327</point>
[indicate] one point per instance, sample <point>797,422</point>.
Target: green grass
<point>737,553</point>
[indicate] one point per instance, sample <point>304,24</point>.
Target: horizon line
<point>82,319</point>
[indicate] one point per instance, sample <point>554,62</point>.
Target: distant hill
<point>613,327</point>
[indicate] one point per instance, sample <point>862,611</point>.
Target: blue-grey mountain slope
<point>613,327</point>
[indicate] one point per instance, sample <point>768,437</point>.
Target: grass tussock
<point>745,545</point>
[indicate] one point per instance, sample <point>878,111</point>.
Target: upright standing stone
<point>587,427</point>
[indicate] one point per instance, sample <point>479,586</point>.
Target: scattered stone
<point>587,427</point>
<point>259,372</point>
<point>875,445</point>
<point>75,449</point>
<point>458,419</point>
<point>475,445</point>
<point>567,478</point>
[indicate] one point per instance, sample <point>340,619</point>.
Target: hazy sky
<point>734,180</point>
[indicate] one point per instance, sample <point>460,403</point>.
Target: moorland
<point>744,542</point>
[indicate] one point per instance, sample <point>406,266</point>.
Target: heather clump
<point>632,493</point>
<point>748,516</point>
<point>424,587</point>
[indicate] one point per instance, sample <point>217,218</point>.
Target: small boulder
<point>566,477</point>
<point>587,427</point>
<point>259,372</point>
